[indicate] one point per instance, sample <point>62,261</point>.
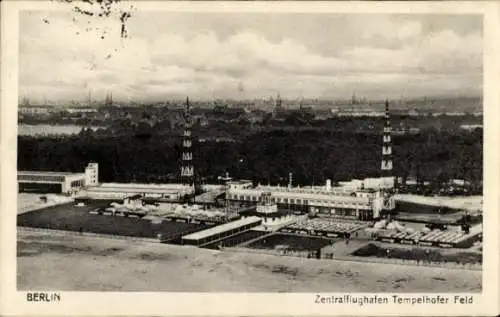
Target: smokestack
<point>290,180</point>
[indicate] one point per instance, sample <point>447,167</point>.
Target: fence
<point>87,234</point>
<point>326,256</point>
<point>297,254</point>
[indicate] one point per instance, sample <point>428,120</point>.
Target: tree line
<point>264,156</point>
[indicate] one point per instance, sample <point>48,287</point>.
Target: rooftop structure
<point>221,231</point>
<point>358,203</point>
<point>62,182</point>
<point>35,110</point>
<point>144,186</point>
<point>21,174</point>
<point>166,192</point>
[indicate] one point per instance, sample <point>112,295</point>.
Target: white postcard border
<point>13,302</point>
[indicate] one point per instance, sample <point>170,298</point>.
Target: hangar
<point>57,182</point>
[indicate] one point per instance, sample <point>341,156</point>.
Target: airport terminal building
<point>356,202</point>
<point>161,192</point>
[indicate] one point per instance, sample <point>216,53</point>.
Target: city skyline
<point>245,56</point>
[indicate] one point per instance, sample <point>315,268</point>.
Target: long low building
<point>358,203</point>
<point>222,231</point>
<point>165,192</point>
<point>57,182</point>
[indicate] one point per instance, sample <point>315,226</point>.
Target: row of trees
<point>268,156</point>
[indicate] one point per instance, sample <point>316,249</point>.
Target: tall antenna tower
<point>388,178</point>
<point>187,168</point>
<point>386,166</point>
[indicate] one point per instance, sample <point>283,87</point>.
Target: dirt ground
<point>58,261</point>
<point>459,202</point>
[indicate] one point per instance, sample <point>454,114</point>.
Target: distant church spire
<point>109,99</point>
<point>278,101</point>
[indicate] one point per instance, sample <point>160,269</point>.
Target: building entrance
<point>40,188</point>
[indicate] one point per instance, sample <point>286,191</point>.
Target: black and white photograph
<point>250,151</point>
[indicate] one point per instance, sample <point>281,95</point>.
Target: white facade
<point>171,192</point>
<point>132,203</point>
<point>213,187</point>
<point>353,184</point>
<point>335,200</point>
<point>70,182</point>
<point>34,110</point>
<point>243,184</point>
<point>92,174</point>
<point>379,183</point>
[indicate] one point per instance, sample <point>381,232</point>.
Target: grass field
<point>293,242</point>
<point>418,253</point>
<point>82,263</point>
<point>236,239</point>
<point>72,218</point>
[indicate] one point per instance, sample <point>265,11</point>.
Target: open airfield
<point>470,203</point>
<point>61,261</point>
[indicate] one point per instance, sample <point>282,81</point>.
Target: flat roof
<point>306,195</point>
<point>239,181</point>
<point>129,190</point>
<point>222,228</point>
<point>254,212</point>
<point>145,185</point>
<point>48,173</point>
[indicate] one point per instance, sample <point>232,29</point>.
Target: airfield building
<point>366,199</point>
<point>58,182</point>
<point>348,201</point>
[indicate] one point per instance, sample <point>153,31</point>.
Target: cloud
<point>62,60</point>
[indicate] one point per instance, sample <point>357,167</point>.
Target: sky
<point>203,55</point>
